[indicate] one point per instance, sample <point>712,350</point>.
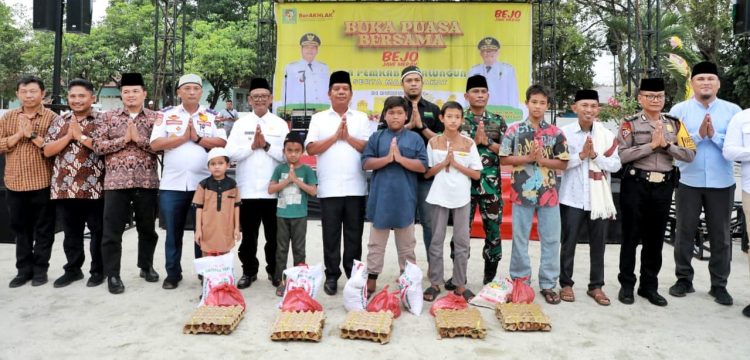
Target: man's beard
<point>706,97</point>
<point>413,97</point>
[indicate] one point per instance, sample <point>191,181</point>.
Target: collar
<point>542,124</point>
<point>200,110</point>
<point>220,185</point>
<point>348,111</point>
<point>124,111</point>
<point>91,115</point>
<point>39,110</point>
<point>700,104</point>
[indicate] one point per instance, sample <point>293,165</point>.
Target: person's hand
<point>448,159</point>
<point>74,129</point>
<point>531,155</point>
<point>198,237</point>
<point>657,136</point>
<point>709,126</point>
<point>591,153</point>
<point>135,136</point>
<point>259,141</point>
<point>481,137</point>
<point>24,125</point>
<point>394,150</point>
<point>193,132</point>
<point>703,129</point>
<point>416,119</point>
<point>237,234</point>
<point>343,129</point>
<point>538,154</point>
<point>292,177</point>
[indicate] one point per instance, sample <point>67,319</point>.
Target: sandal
<point>550,296</point>
<point>467,294</point>
<point>280,290</point>
<point>431,293</point>
<point>567,294</point>
<point>599,296</point>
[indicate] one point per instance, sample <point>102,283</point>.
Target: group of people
<point>427,164</point>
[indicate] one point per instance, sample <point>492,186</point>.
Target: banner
<point>375,41</point>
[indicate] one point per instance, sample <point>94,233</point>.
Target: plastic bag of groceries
<point>298,299</point>
<point>496,291</point>
<point>216,270</point>
<point>385,301</point>
<point>303,276</point>
<point>225,295</point>
<point>450,302</point>
<point>522,293</point>
<point>410,286</point>
<point>355,290</point>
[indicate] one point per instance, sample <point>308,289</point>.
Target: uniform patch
<point>159,121</point>
<point>174,122</point>
<point>625,130</point>
<point>203,117</point>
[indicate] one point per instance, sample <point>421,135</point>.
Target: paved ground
<point>146,322</point>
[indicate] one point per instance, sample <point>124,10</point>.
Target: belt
<point>597,175</point>
<point>652,176</point>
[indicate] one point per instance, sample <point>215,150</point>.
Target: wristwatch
<point>33,135</point>
<point>83,138</point>
<point>266,147</point>
<point>198,140</point>
<point>490,142</point>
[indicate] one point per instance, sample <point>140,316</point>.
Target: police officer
<point>500,76</point>
<point>487,130</point>
<point>306,80</point>
<point>649,141</point>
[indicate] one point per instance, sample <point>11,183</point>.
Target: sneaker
<point>721,296</point>
<point>67,278</point>
<point>681,288</point>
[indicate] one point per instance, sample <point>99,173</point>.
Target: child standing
<point>294,182</point>
<point>217,202</point>
<point>454,161</point>
<point>396,155</point>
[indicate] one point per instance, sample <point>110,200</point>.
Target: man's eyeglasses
<point>654,97</point>
<point>260,97</point>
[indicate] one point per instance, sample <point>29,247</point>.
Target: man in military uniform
<point>422,117</point>
<point>501,77</point>
<point>306,80</point>
<point>649,141</point>
<point>487,130</point>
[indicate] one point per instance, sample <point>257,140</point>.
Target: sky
<point>602,67</point>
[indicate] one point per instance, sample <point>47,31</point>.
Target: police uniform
<point>501,77</point>
<point>649,179</point>
<point>486,192</point>
<point>306,82</point>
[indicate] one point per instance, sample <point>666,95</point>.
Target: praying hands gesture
<point>343,131</point>
<point>588,150</point>
<point>75,130</point>
<point>448,159</point>
<point>132,135</point>
<point>535,153</point>
<point>416,119</point>
<point>707,128</point>
<point>259,141</point>
<point>657,137</point>
<point>481,137</point>
<point>24,125</point>
<point>395,154</point>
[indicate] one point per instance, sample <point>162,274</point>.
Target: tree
<point>221,53</point>
<point>11,41</point>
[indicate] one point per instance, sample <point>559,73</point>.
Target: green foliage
<point>618,107</point>
<point>11,40</point>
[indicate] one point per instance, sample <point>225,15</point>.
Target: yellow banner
<point>375,41</point>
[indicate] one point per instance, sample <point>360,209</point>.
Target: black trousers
<point>252,213</point>
<point>75,215</point>
<point>32,223</point>
<point>717,204</point>
<point>347,212</point>
<point>644,208</point>
<point>117,211</point>
<point>575,222</point>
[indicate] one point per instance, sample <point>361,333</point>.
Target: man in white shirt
<point>256,144</point>
<point>185,133</point>
<point>585,196</point>
<point>737,148</point>
<point>338,136</point>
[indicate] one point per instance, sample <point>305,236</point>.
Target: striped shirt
<point>26,168</point>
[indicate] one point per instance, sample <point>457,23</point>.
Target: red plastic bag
<point>450,301</point>
<point>225,295</point>
<point>522,292</point>
<point>297,299</point>
<point>385,301</point>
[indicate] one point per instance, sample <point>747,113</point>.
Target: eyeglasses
<point>654,97</point>
<point>260,97</point>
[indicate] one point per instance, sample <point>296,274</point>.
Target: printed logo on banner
<point>290,16</point>
<point>316,16</point>
<point>508,15</point>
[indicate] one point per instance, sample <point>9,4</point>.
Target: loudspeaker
<point>79,16</point>
<point>742,17</point>
<point>44,15</point>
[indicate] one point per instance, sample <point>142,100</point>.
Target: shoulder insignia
<point>626,129</point>
<point>670,117</point>
<point>167,108</point>
<point>212,111</point>
<point>631,118</point>
<point>683,138</point>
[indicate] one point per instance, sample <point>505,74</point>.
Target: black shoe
<point>746,311</point>
<point>276,282</point>
<point>681,288</point>
<point>67,278</point>
<point>39,280</point>
<point>653,297</point>
<point>115,285</point>
<point>96,279</point>
<point>721,296</point>
<point>490,270</point>
<point>330,287</point>
<point>171,283</point>
<point>246,281</point>
<point>626,296</point>
<point>19,280</point>
<point>150,274</point>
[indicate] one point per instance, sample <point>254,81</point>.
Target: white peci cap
<point>190,79</point>
<point>217,152</point>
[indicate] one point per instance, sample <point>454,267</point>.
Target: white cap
<point>217,152</point>
<point>190,79</point>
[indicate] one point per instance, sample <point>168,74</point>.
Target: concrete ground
<point>146,322</point>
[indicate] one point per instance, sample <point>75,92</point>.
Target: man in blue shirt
<point>706,183</point>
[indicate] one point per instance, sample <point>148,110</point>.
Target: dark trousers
<point>346,212</point>
<point>717,204</point>
<point>175,207</point>
<point>252,213</point>
<point>75,215</point>
<point>32,223</point>
<point>575,222</point>
<point>289,231</point>
<point>117,211</point>
<point>644,208</point>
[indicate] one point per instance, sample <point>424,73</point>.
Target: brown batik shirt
<point>26,167</point>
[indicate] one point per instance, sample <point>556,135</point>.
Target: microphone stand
<point>286,86</point>
<point>304,94</point>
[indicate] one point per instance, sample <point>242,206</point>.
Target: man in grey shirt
<point>228,115</point>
